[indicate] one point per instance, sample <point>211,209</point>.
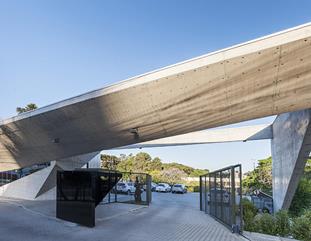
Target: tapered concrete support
<point>290,146</point>
<point>79,161</point>
<point>41,184</point>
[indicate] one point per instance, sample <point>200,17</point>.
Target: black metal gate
<point>221,195</point>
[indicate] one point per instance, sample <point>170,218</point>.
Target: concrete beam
<point>290,146</point>
<point>244,133</point>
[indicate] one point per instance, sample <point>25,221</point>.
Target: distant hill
<point>142,162</point>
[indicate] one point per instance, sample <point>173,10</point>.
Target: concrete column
<point>290,146</point>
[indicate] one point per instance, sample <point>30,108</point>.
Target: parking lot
<point>169,217</point>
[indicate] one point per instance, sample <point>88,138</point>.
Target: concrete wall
<point>290,148</point>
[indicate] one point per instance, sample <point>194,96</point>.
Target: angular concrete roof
<point>263,77</point>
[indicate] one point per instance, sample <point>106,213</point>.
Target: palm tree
<point>28,107</point>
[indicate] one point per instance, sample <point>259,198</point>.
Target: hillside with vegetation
<point>142,162</point>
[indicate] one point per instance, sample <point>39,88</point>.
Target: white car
<point>126,187</point>
<point>179,188</point>
<point>163,187</point>
<point>153,187</point>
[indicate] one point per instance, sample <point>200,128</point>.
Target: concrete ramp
<point>41,184</point>
<point>30,187</point>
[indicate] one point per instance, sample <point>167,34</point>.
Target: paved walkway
<point>264,237</point>
<point>170,217</point>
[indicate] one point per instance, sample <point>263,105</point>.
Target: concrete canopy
<point>263,77</point>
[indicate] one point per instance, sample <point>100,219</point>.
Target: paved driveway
<point>170,217</point>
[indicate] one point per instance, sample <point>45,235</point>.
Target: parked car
<point>179,188</point>
<point>153,187</point>
<point>218,192</point>
<point>163,187</point>
<point>126,187</point>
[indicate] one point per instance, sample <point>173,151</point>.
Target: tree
<point>154,165</point>
<point>261,177</point>
<point>172,175</point>
<point>27,108</point>
<point>109,162</point>
<point>141,162</point>
<point>127,164</point>
<point>198,172</point>
<point>181,167</point>
<point>143,157</point>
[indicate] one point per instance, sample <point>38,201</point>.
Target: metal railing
<point>221,195</point>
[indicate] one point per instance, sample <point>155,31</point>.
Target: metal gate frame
<point>221,195</point>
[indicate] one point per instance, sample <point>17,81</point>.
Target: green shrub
<point>282,223</point>
<point>301,228</point>
<point>196,189</point>
<point>279,224</point>
<point>248,217</point>
<point>249,212</point>
<point>273,225</point>
<point>257,223</point>
<point>267,224</point>
<point>248,206</point>
<point>193,188</point>
<point>307,214</point>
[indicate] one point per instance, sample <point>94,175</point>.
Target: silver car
<point>179,188</point>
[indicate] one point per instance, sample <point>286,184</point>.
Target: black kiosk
<point>80,191</point>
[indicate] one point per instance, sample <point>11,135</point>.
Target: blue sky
<point>52,50</point>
